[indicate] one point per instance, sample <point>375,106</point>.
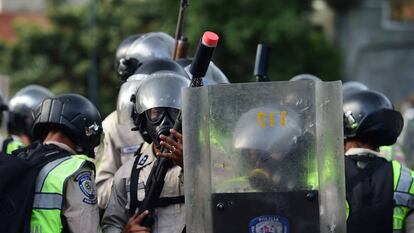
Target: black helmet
<point>348,88</point>
<point>73,114</point>
<point>137,48</point>
<point>370,116</point>
<point>21,106</point>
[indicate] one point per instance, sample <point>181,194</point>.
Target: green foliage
<point>58,56</point>
<point>342,5</point>
<point>296,46</point>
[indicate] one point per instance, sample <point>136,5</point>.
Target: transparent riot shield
<point>213,76</point>
<point>264,158</point>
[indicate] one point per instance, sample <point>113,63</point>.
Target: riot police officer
<point>20,120</point>
<point>65,196</point>
<point>158,100</point>
<point>378,191</point>
<point>119,142</point>
<point>265,149</point>
<point>3,108</point>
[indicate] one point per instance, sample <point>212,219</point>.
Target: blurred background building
<point>23,10</point>
<point>376,39</point>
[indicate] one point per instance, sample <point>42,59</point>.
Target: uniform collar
<point>61,145</point>
<point>361,151</point>
<point>147,155</point>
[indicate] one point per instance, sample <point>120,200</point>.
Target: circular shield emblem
<point>269,224</point>
<point>86,186</point>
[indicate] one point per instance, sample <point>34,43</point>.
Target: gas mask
<point>159,121</point>
<point>265,170</point>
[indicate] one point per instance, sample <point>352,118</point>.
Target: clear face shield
<point>157,104</point>
<point>124,104</point>
<point>162,89</point>
<point>155,115</point>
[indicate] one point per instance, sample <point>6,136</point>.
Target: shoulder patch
<point>130,149</point>
<point>143,160</point>
<point>87,187</point>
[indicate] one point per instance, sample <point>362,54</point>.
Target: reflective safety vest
<point>14,145</point>
<point>49,193</point>
<point>393,152</point>
<point>403,195</point>
<point>10,144</point>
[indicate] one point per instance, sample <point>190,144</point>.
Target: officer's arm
<point>409,223</point>
<point>116,215</point>
<point>80,208</point>
<point>107,163</point>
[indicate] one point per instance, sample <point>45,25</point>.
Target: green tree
<point>59,55</point>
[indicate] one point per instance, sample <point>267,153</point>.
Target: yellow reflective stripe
<point>400,213</point>
<point>14,145</point>
<point>56,178</point>
<point>44,172</point>
<point>396,170</point>
<point>42,221</point>
<point>412,186</point>
<point>403,194</point>
<point>346,209</point>
<point>47,219</point>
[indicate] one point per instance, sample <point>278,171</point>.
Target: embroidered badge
<point>143,160</point>
<point>269,224</point>
<point>87,187</point>
<point>130,149</point>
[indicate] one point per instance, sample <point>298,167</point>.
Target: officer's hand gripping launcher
<point>155,182</point>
